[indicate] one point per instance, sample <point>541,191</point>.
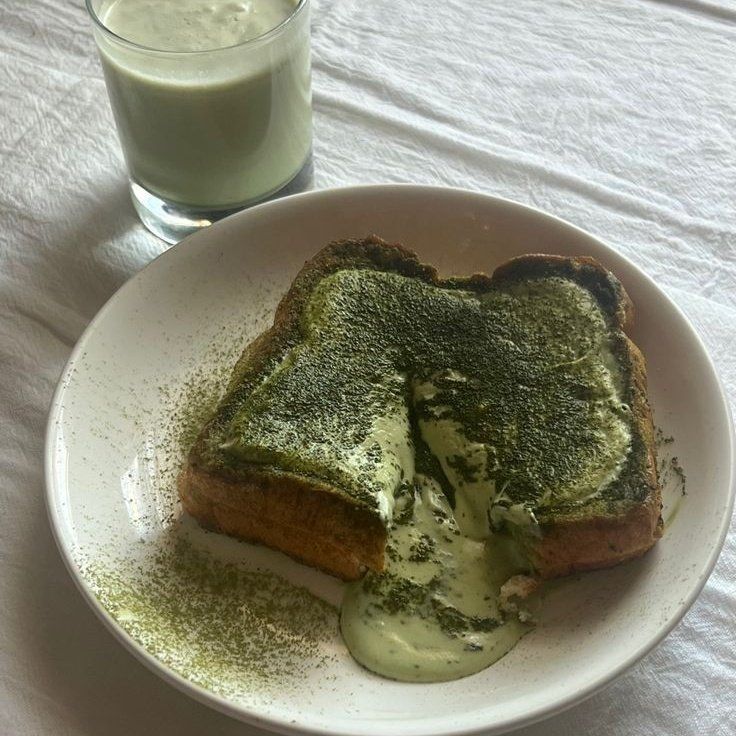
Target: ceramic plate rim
<point>53,494</point>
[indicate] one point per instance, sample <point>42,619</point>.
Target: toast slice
<point>520,391</point>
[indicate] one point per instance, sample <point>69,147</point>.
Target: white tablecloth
<point>617,115</point>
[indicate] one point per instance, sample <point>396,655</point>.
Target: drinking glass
<point>206,133</point>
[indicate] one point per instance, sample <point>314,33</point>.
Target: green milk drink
<point>211,98</point>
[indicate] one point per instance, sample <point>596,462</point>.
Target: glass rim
<point>255,41</point>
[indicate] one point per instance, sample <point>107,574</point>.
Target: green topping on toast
<point>515,387</point>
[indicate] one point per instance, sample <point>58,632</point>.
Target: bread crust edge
<point>288,514</point>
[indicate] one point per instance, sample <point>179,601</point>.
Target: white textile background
<point>618,115</point>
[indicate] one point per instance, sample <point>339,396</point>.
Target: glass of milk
<point>212,103</point>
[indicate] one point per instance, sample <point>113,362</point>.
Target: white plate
<point>104,463</point>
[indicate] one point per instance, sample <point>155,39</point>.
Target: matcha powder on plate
<point>231,630</point>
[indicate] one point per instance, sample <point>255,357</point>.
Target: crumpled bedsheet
<point>618,115</point>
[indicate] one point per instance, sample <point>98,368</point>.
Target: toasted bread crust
<point>290,515</point>
<point>329,530</point>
